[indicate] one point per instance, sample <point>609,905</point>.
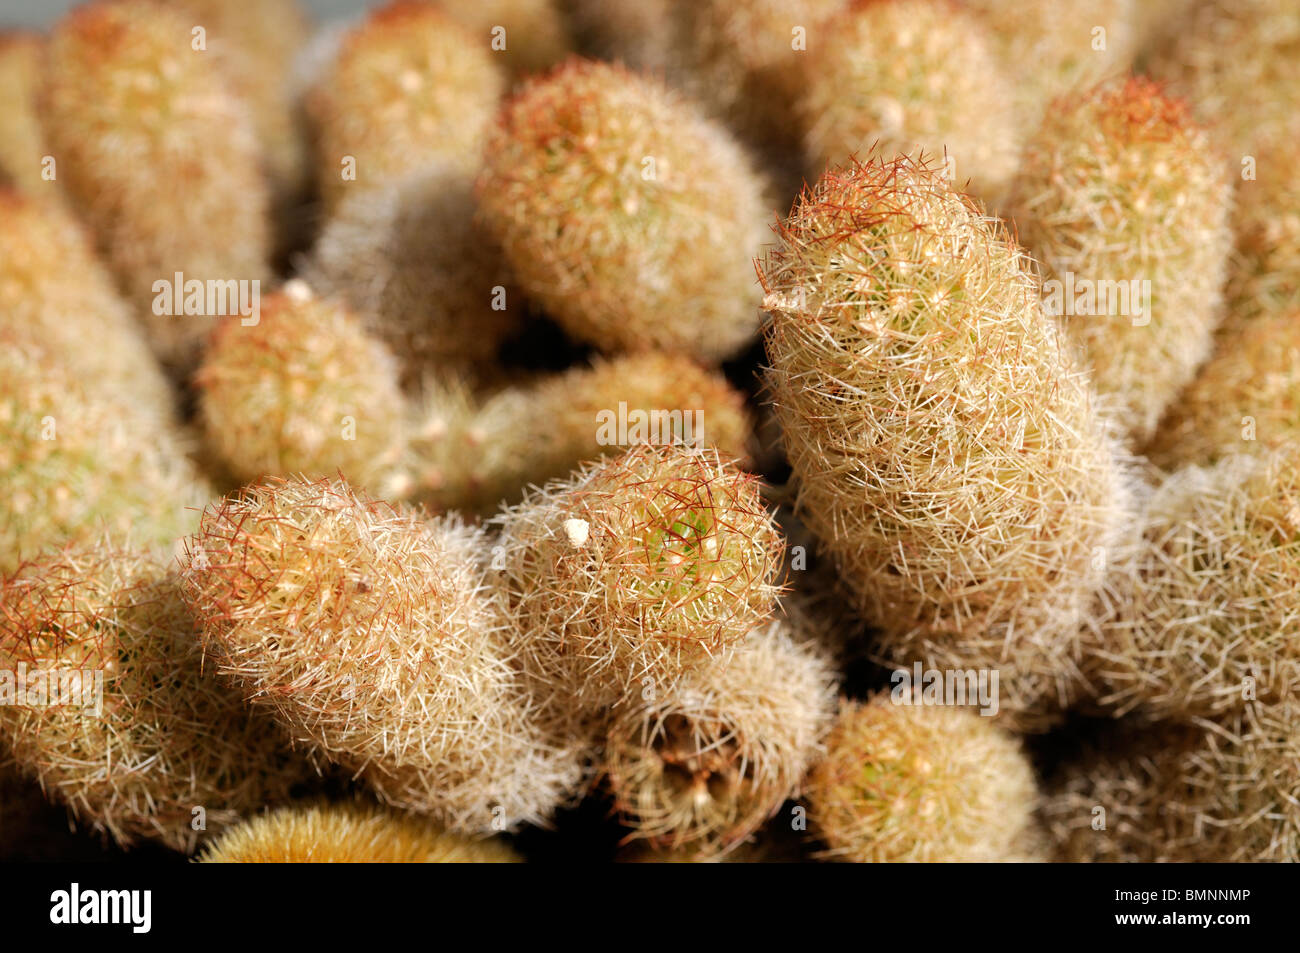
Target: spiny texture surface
<point>945,447</point>
<point>303,391</point>
<point>1122,198</point>
<point>703,766</point>
<point>1221,792</point>
<point>22,142</point>
<point>408,84</point>
<point>919,783</point>
<point>54,290</point>
<point>349,834</point>
<point>643,566</point>
<point>75,465</point>
<point>540,431</point>
<point>132,113</point>
<point>164,738</point>
<point>256,44</point>
<point>895,76</point>
<point>428,279</point>
<point>1209,607</point>
<point>1246,397</point>
<point>1120,800</point>
<point>1238,61</point>
<point>369,635</point>
<point>625,213</point>
<point>1051,48</point>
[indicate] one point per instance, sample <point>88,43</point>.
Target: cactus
<point>625,213</point>
<point>894,76</point>
<point>349,834</point>
<point>22,141</point>
<point>76,466</point>
<point>429,281</point>
<point>1205,611</point>
<point>369,635</point>
<point>163,746</point>
<point>1244,398</point>
<point>1052,48</point>
<point>944,446</point>
<point>54,290</point>
<point>132,111</point>
<point>703,766</point>
<point>1121,189</point>
<point>647,565</point>
<point>256,44</point>
<point>1264,277</point>
<point>904,782</point>
<point>303,391</point>
<point>408,85</point>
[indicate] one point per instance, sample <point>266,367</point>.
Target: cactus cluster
<point>453,434</point>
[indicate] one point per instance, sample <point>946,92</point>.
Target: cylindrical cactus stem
<point>370,636</point>
<point>704,765</point>
<point>1218,792</point>
<point>1124,201</point>
<point>626,213</point>
<point>303,391</point>
<point>1203,615</point>
<point>544,430</point>
<point>944,446</point>
<point>77,466</point>
<point>54,290</point>
<point>1238,62</point>
<point>108,708</point>
<point>22,141</point>
<point>349,834</point>
<point>647,565</point>
<point>1051,48</point>
<point>256,44</point>
<point>408,84</point>
<point>528,36</point>
<point>1244,398</point>
<point>132,110</point>
<point>901,75</point>
<point>911,782</point>
<point>1264,275</point>
<point>426,276</point>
